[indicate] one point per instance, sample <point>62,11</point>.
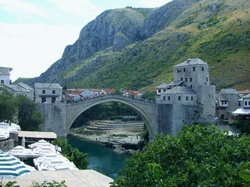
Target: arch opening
<point>139,111</point>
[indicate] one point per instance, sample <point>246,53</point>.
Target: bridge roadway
<point>59,117</point>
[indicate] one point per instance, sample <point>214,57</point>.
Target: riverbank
<point>122,137</point>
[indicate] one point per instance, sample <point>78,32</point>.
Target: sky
<point>34,33</point>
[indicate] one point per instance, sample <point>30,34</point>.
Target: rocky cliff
<point>137,48</point>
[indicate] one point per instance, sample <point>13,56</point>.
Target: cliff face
<point>137,47</point>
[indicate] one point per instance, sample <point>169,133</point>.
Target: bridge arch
<point>145,109</point>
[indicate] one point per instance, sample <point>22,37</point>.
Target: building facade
<point>244,111</point>
<point>21,89</point>
<point>190,98</point>
<point>227,101</point>
<point>48,93</point>
<point>5,75</point>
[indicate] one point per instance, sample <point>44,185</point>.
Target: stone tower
<point>190,98</point>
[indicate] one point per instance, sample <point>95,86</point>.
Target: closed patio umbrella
<point>11,167</point>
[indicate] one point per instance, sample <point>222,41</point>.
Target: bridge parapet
<point>113,96</point>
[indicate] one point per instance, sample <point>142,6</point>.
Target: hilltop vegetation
<point>136,48</point>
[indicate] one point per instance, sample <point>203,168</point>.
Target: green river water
<point>100,158</point>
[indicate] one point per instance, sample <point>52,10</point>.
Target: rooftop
<point>228,91</point>
<point>72,178</point>
<point>5,70</point>
<point>181,90</point>
<point>47,85</point>
<point>191,61</point>
<point>37,134</point>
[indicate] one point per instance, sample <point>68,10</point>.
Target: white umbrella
<point>40,143</point>
<point>11,129</point>
<point>4,134</point>
<point>43,147</point>
<point>22,152</point>
<point>53,162</point>
<point>11,166</point>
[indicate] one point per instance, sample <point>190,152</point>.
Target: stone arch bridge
<point>60,116</point>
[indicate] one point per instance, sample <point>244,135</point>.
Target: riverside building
<point>188,99</point>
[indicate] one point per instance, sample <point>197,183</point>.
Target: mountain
<point>136,48</point>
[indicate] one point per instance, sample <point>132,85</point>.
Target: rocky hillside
<point>136,48</point>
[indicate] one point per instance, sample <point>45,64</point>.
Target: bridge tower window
<point>169,98</point>
<point>179,98</point>
<point>44,91</point>
<point>43,99</point>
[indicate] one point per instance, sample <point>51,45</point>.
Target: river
<point>100,158</point>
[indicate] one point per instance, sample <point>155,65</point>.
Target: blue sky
<point>34,33</point>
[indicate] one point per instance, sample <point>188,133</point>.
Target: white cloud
<point>18,7</point>
<point>32,48</point>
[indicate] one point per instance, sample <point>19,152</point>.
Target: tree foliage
<point>7,105</point>
<point>29,118</point>
<point>198,156</point>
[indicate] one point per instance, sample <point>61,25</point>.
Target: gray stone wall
<point>55,118</point>
<point>172,118</point>
<point>7,145</point>
<point>206,99</point>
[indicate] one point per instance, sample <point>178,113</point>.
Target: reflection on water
<point>100,158</point>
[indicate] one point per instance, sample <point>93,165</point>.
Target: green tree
<point>29,118</point>
<point>7,105</point>
<point>149,96</point>
<point>198,156</point>
<point>73,154</point>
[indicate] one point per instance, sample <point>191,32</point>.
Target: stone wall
<point>55,118</point>
<point>7,145</point>
<point>172,118</point>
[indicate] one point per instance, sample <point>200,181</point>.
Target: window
<point>179,98</point>
<point>44,91</point>
<point>2,81</point>
<point>191,79</point>
<point>53,99</point>
<point>192,98</point>
<point>181,79</point>
<point>193,68</point>
<point>206,79</point>
<point>249,103</point>
<point>164,98</point>
<point>53,92</point>
<point>191,86</point>
<point>169,98</point>
<point>187,98</point>
<point>245,103</point>
<point>43,99</point>
<point>186,79</point>
<point>184,69</point>
<point>202,68</point>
